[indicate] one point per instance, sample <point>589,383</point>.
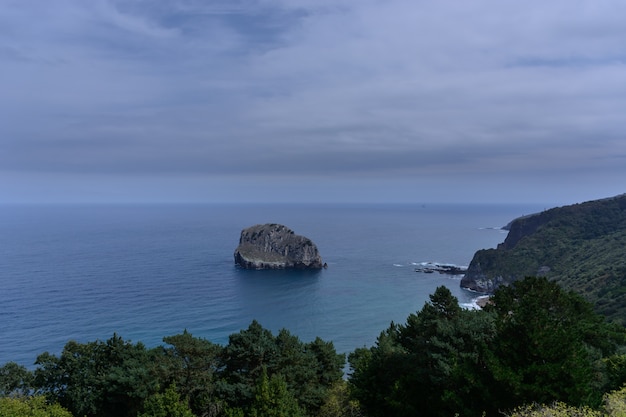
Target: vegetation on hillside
<point>579,246</point>
<point>188,376</point>
<point>30,406</point>
<point>534,344</point>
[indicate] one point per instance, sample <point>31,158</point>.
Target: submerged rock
<point>274,246</point>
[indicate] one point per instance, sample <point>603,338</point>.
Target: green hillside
<point>581,246</point>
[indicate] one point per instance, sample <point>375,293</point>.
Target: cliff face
<point>491,268</point>
<point>580,246</point>
<point>274,246</point>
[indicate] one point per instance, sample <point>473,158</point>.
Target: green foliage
<point>256,372</point>
<point>328,363</point>
<point>98,378</point>
<point>615,366</point>
<point>534,344</point>
<point>272,399</point>
<point>232,412</point>
<point>167,404</point>
<point>308,369</point>
<point>15,380</point>
<point>244,358</point>
<point>30,407</point>
<point>376,371</point>
<point>582,245</point>
<point>339,403</point>
<point>433,365</point>
<point>191,364</point>
<point>558,409</point>
<point>614,405</point>
<point>549,344</point>
<point>448,350</point>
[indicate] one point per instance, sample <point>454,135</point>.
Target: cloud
<point>315,89</point>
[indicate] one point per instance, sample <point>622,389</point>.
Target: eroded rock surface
<point>274,246</point>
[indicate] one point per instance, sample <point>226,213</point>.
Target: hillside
<point>581,246</point>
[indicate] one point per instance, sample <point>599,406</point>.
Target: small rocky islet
<point>275,246</point>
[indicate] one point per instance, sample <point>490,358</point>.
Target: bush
<point>30,407</point>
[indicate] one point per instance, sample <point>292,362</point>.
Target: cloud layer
<point>528,93</point>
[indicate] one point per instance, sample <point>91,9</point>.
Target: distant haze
<point>312,101</point>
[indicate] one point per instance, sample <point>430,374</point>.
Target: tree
<point>307,370</point>
<point>191,364</point>
<point>130,379</point>
<point>550,345</point>
<point>614,405</point>
<point>30,407</point>
<point>338,403</point>
<point>557,409</point>
<point>68,379</point>
<point>297,366</point>
<point>244,357</point>
<point>273,399</point>
<point>167,404</point>
<point>615,366</point>
<point>376,371</point>
<point>535,343</point>
<point>98,378</point>
<point>327,367</point>
<point>329,363</point>
<point>448,348</point>
<point>433,365</point>
<point>15,380</point>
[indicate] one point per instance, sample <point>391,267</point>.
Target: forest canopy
<point>533,344</point>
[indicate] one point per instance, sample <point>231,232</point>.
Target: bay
<point>144,272</point>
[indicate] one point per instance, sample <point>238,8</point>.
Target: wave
<point>474,304</point>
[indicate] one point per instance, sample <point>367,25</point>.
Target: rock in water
<point>274,246</point>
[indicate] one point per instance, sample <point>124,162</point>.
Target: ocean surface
<point>145,272</point>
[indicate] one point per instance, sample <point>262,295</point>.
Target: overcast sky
<point>312,100</point>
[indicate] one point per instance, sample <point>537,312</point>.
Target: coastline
<point>482,301</point>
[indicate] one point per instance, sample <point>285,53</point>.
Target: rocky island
<point>274,246</point>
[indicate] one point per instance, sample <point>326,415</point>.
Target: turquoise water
<point>145,272</point>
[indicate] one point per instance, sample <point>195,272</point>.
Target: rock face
<point>274,246</point>
<point>476,280</point>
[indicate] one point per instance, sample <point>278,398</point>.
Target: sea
<point>143,272</point>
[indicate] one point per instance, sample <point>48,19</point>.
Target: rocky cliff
<point>580,246</point>
<point>274,246</point>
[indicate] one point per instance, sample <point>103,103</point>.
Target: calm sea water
<point>84,272</point>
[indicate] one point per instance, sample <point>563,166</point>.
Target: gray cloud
<point>315,89</point>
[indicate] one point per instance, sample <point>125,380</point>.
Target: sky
<point>143,101</point>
